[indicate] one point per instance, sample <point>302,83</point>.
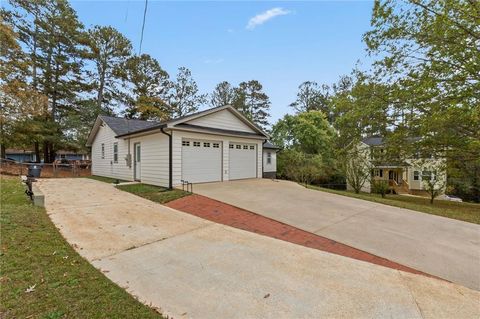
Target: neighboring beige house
<point>214,145</point>
<point>269,160</point>
<point>404,177</point>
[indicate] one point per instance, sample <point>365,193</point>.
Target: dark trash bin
<point>34,170</point>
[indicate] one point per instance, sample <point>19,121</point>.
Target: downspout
<point>170,161</point>
<point>263,168</point>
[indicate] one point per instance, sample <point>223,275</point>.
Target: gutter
<point>170,161</point>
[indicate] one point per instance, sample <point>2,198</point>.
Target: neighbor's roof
<point>378,140</point>
<point>267,144</point>
<point>373,140</point>
<point>18,151</point>
<point>124,126</point>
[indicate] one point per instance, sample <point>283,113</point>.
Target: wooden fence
<point>55,170</point>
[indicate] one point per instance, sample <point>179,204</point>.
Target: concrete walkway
<point>191,268</point>
<point>439,246</point>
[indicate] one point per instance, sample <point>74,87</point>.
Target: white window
<point>196,144</point>
<point>252,147</point>
<point>206,144</point>
<point>103,151</point>
<point>216,145</point>
<point>429,175</point>
<point>186,143</point>
<point>239,147</point>
<point>416,175</point>
<point>269,158</point>
<point>245,147</point>
<point>231,146</point>
<point>115,152</point>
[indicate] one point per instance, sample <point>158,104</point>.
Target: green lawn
<point>154,193</point>
<point>106,179</point>
<point>34,254</point>
<point>468,212</point>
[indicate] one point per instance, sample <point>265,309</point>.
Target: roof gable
<point>223,119</point>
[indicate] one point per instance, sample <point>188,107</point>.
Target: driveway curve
<point>191,268</point>
<point>443,247</point>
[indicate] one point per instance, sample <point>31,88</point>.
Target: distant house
<point>215,145</point>
<point>407,176</point>
<point>72,156</point>
<point>28,155</point>
<point>19,155</point>
<point>269,160</point>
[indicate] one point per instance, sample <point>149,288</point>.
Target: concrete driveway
<point>440,246</point>
<point>191,268</point>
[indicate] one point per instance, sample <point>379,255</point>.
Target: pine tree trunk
<point>46,155</point>
<point>36,147</point>
<point>3,153</point>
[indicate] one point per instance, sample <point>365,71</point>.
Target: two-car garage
<point>203,160</point>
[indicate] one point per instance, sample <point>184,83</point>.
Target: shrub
<point>380,187</point>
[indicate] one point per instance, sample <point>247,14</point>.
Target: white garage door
<point>201,161</point>
<point>242,161</point>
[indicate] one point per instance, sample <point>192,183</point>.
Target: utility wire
<point>126,12</point>
<point>143,27</point>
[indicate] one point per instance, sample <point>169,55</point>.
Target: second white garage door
<point>201,161</point>
<point>242,161</point>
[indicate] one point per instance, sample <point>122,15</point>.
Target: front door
<point>393,175</point>
<point>137,163</point>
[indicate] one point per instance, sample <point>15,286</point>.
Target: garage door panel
<point>242,161</point>
<point>201,161</point>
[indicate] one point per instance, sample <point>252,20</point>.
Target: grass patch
<point>106,179</point>
<point>157,194</point>
<point>33,253</point>
<point>468,212</point>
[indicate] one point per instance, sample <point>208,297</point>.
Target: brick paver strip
<point>226,214</point>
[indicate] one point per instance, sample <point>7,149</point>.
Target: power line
<point>143,27</point>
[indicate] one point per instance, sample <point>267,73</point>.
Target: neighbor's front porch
<point>397,177</point>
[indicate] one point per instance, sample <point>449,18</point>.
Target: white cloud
<point>265,16</point>
<point>230,30</point>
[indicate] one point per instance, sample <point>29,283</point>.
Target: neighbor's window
<point>63,156</point>
<point>426,175</point>
<point>115,152</point>
<point>245,147</point>
<point>231,146</point>
<point>380,173</point>
<point>269,158</point>
<point>252,147</point>
<point>216,145</point>
<point>206,144</point>
<point>103,150</point>
<point>186,143</point>
<point>196,144</point>
<point>239,147</point>
<point>416,175</point>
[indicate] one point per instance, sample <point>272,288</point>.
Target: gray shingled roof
<point>267,144</point>
<point>122,125</point>
<point>378,140</point>
<point>373,140</point>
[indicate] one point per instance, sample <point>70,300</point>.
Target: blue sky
<point>291,43</point>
